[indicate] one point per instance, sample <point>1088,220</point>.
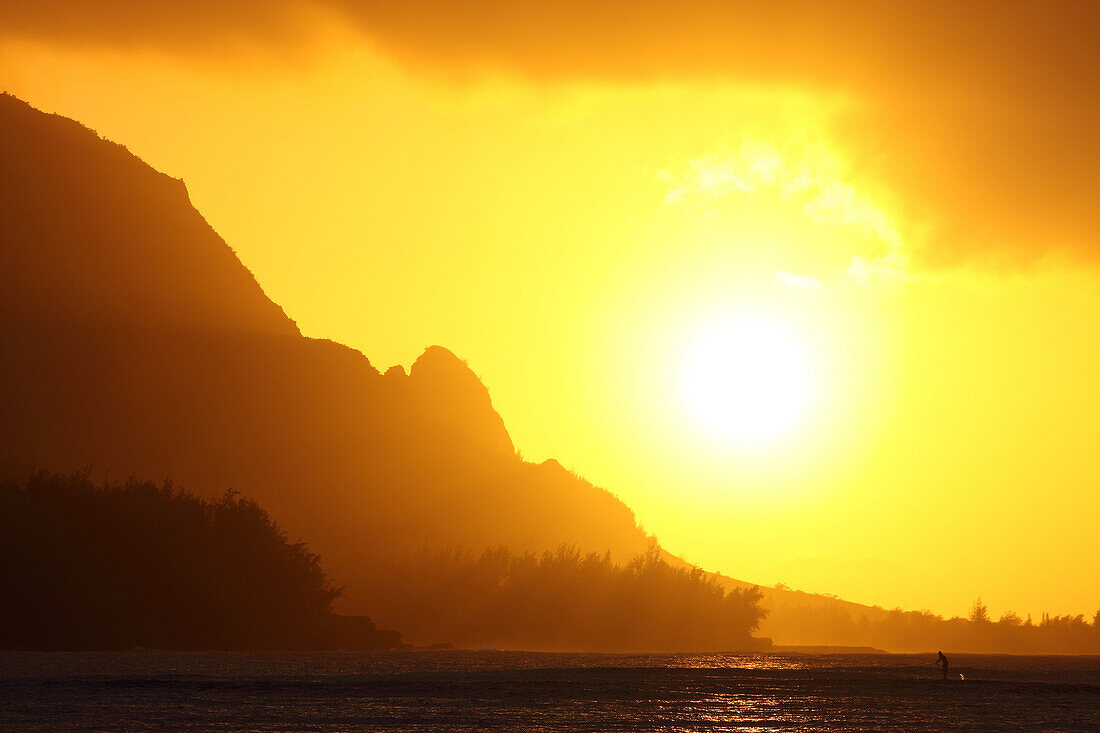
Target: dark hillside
<point>133,341</point>
<point>90,233</point>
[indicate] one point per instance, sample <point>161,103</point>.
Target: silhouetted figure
<point>943,661</point>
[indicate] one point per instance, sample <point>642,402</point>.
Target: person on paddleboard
<point>943,661</point>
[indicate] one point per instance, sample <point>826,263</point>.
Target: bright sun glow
<point>747,378</point>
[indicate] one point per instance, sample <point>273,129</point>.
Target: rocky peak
<point>449,390</point>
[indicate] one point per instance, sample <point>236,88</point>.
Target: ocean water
<point>522,691</point>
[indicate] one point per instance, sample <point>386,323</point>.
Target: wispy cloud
<point>806,179</point>
<point>799,282</point>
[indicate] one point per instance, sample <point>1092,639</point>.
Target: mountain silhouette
<point>90,233</point>
<point>133,341</point>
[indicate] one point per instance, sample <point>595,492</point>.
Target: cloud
<point>802,179</point>
<point>799,282</point>
<point>982,115</point>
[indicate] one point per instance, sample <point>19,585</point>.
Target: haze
<point>566,207</point>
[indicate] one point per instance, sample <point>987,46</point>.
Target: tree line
<point>139,564</point>
<point>921,631</point>
<point>561,600</point>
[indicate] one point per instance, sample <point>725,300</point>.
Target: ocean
<point>524,691</point>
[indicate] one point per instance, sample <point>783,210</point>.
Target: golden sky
<point>574,200</point>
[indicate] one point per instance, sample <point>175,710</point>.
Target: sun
<point>747,378</point>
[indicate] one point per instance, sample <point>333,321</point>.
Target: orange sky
<point>565,198</point>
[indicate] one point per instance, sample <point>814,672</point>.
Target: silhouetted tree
<point>979,614</point>
<point>114,566</point>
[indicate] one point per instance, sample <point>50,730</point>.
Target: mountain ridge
<point>136,342</point>
<point>144,244</point>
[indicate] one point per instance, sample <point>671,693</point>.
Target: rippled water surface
<point>509,691</point>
